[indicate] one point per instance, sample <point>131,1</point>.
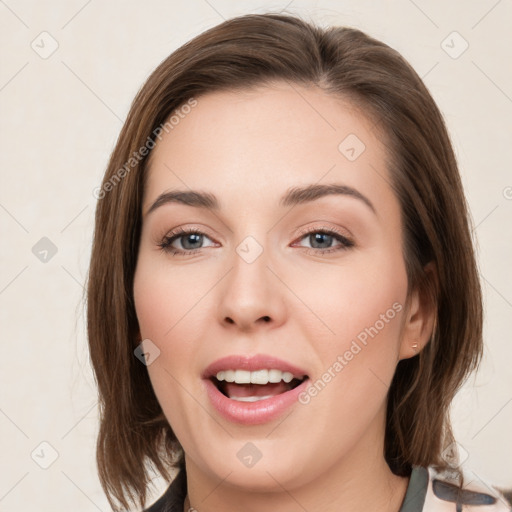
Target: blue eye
<point>321,241</point>
<point>191,240</point>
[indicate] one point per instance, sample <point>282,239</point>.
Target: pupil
<point>317,237</point>
<point>196,238</point>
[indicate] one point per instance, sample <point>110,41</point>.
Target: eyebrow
<point>294,196</point>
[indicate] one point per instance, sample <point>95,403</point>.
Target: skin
<point>248,148</point>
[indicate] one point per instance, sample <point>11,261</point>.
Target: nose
<point>251,296</point>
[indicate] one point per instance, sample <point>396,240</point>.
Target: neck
<point>357,493</point>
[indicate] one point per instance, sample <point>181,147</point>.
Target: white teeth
<point>229,376</point>
<point>274,376</point>
<point>250,398</point>
<point>242,377</point>
<point>287,377</point>
<point>257,377</point>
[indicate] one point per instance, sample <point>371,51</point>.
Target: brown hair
<point>256,50</point>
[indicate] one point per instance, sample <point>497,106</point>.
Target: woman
<point>283,297</point>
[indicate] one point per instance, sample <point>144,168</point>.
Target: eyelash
<point>345,243</point>
<point>165,243</point>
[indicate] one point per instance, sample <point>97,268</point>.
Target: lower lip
<point>253,413</point>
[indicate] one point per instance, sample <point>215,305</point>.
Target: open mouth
<point>254,386</point>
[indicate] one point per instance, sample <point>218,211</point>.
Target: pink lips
<point>252,413</point>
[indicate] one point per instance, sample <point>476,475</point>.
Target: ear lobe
<point>421,315</point>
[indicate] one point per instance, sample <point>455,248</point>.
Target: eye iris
<point>324,238</point>
<point>318,240</point>
<point>192,238</point>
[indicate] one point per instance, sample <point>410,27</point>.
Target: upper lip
<point>252,363</point>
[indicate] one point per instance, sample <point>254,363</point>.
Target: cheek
<point>360,314</point>
<point>167,303</point>
<point>354,300</point>
<point>165,297</point>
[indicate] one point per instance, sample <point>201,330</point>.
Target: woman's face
<point>294,269</point>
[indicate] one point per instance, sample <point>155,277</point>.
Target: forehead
<point>266,139</point>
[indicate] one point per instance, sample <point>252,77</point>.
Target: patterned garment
<point>433,491</point>
<point>428,491</point>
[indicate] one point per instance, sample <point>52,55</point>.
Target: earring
<point>415,347</point>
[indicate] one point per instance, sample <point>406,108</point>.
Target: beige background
<point>60,117</point>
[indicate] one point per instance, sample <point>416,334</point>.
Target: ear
<point>421,315</point>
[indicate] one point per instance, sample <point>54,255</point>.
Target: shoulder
<point>477,493</point>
